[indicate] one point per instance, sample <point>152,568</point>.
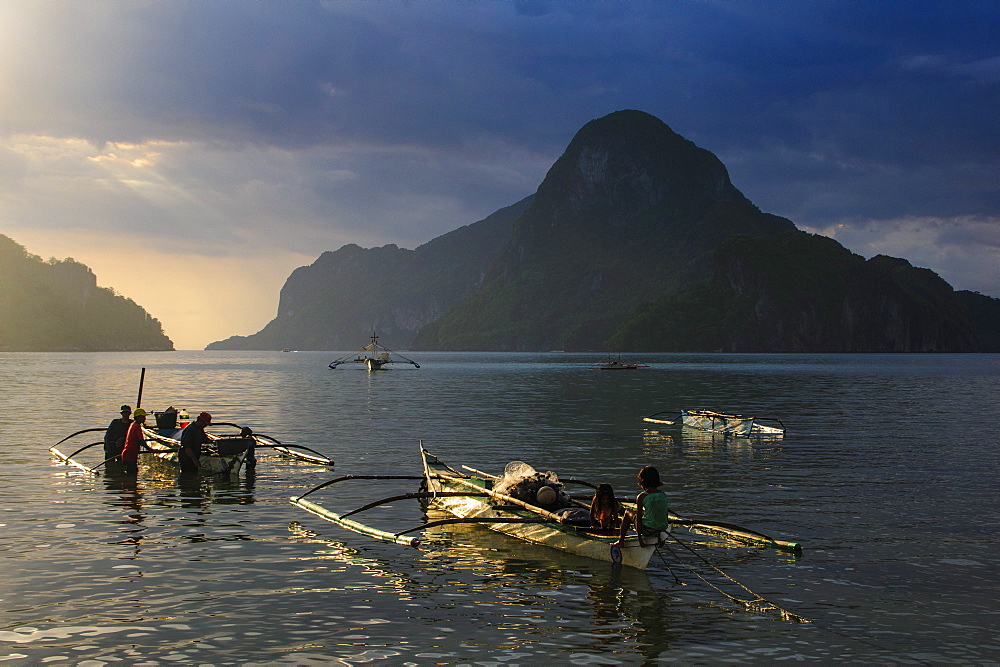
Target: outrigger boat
<point>223,454</point>
<point>718,422</point>
<point>374,357</point>
<point>511,503</point>
<point>619,365</point>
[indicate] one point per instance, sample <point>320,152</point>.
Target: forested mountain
<point>636,240</point>
<point>340,299</point>
<point>56,306</point>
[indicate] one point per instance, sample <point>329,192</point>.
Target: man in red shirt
<point>133,442</point>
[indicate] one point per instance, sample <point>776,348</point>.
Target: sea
<point>887,475</point>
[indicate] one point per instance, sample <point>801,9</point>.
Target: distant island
<point>56,306</point>
<point>636,240</point>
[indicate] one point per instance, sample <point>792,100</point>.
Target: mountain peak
<point>628,162</point>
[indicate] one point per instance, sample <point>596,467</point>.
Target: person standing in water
<point>192,438</point>
<point>114,437</point>
<point>651,516</point>
<point>133,443</point>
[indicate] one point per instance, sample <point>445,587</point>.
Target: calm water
<point>888,476</point>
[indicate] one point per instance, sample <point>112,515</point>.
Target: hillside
<point>56,306</point>
<point>629,211</point>
<point>636,240</point>
<point>799,292</point>
<point>336,302</point>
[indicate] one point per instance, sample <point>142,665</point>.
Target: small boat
<point>619,365</point>
<point>522,503</point>
<point>225,453</point>
<point>718,422</point>
<point>374,357</point>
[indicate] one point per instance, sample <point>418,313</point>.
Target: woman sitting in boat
<point>605,510</point>
<point>651,516</point>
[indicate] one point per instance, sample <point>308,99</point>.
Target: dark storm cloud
<point>407,120</point>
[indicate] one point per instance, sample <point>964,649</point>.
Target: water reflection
<point>518,589</point>
<point>698,442</point>
<point>123,492</point>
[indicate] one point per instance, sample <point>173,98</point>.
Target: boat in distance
<point>524,504</point>
<point>374,357</point>
<point>719,422</point>
<point>619,365</point>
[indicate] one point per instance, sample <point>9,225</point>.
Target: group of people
<point>123,440</point>
<point>650,517</point>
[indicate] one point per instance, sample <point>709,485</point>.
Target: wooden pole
<point>142,378</point>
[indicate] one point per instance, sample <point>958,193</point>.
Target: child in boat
<point>605,509</point>
<point>651,516</point>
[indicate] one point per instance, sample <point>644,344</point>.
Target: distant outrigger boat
<point>619,365</point>
<point>718,422</point>
<point>373,356</point>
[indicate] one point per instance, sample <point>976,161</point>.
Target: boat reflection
<point>518,583</point>
<point>693,441</point>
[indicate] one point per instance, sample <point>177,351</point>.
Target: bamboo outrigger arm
<point>70,461</point>
<point>86,430</point>
<point>354,525</point>
<point>347,477</point>
<point>735,532</point>
<point>411,496</point>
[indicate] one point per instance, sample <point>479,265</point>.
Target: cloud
<point>234,129</point>
<point>965,250</point>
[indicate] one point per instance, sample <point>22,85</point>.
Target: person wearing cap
<point>114,437</point>
<point>133,442</point>
<point>192,438</point>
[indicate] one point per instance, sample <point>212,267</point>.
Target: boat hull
<point>164,444</point>
<point>738,425</point>
<point>567,538</point>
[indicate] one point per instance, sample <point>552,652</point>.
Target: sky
<point>193,154</point>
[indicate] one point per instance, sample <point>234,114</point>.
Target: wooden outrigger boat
<point>718,422</point>
<point>478,497</point>
<point>223,454</point>
<point>619,365</point>
<point>374,357</point>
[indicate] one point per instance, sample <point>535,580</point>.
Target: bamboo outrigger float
<point>719,422</point>
<point>375,357</point>
<point>224,454</point>
<point>478,497</point>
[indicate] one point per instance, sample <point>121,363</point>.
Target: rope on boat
<point>757,603</point>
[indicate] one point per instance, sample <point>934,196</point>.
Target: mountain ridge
<point>56,306</point>
<point>635,239</point>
